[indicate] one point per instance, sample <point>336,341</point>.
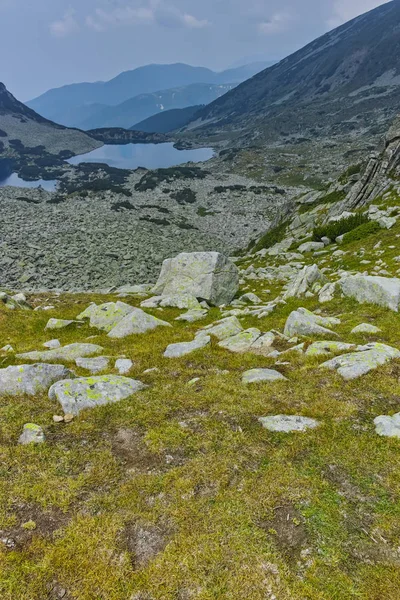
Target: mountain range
<point>88,105</point>
<point>345,81</point>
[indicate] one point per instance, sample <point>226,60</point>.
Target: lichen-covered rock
<point>249,340</point>
<point>224,328</point>
<point>327,292</point>
<point>259,375</point>
<point>304,281</point>
<point>250,298</point>
<point>383,291</point>
<point>356,364</point>
<point>89,392</point>
<point>61,323</point>
<point>311,246</point>
<point>304,322</point>
<point>288,423</point>
<point>388,426</point>
<point>193,315</point>
<point>181,301</point>
<point>32,434</point>
<point>208,276</point>
<point>183,348</point>
<point>328,347</point>
<point>31,379</point>
<point>66,353</point>
<point>366,328</point>
<point>15,302</point>
<point>51,344</point>
<point>94,365</point>
<point>106,316</point>
<point>136,321</point>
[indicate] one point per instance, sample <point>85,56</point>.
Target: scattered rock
<point>388,426</point>
<point>356,364</point>
<point>224,328</point>
<point>208,276</point>
<point>311,246</point>
<point>52,344</point>
<point>32,434</point>
<point>31,379</point>
<point>7,349</point>
<point>183,348</point>
<point>304,281</point>
<point>320,348</point>
<point>250,298</point>
<point>123,365</point>
<point>382,291</point>
<point>94,365</point>
<point>137,321</point>
<point>106,316</point>
<point>181,301</point>
<point>304,322</point>
<point>288,423</point>
<point>15,302</point>
<point>258,375</point>
<point>193,315</point>
<point>58,419</point>
<point>250,340</point>
<point>68,353</point>
<point>366,328</point>
<point>89,392</point>
<point>61,324</point>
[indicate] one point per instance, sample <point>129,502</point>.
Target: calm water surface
<point>16,181</point>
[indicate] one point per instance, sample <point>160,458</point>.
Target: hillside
<point>168,120</point>
<point>69,104</point>
<point>20,126</point>
<point>145,105</point>
<point>345,82</point>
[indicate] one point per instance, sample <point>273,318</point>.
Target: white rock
<point>32,434</point>
<point>258,375</point>
<point>303,281</point>
<point>88,392</point>
<point>288,423</point>
<point>366,328</point>
<point>51,344</point>
<point>304,322</point>
<point>250,298</point>
<point>94,365</point>
<point>123,365</point>
<point>136,322</point>
<point>183,348</point>
<point>311,246</point>
<point>382,291</point>
<point>249,340</point>
<point>193,315</point>
<point>356,364</point>
<point>388,426</point>
<point>208,276</point>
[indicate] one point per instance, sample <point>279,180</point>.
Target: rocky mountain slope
<point>345,82</point>
<point>143,106</point>
<point>21,126</point>
<point>168,120</point>
<point>69,104</point>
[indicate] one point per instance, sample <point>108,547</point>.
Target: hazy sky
<point>47,43</point>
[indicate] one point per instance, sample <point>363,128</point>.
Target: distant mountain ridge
<point>167,120</point>
<point>71,104</point>
<point>348,79</point>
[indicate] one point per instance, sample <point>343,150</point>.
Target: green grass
<point>234,511</point>
<point>334,229</point>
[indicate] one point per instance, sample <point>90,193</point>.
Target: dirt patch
<point>129,447</point>
<point>32,521</point>
<point>288,531</point>
<point>143,542</point>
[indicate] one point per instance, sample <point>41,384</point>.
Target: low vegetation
<point>335,229</point>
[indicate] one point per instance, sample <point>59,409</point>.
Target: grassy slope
<point>233,511</point>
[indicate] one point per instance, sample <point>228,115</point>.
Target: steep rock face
<point>376,177</point>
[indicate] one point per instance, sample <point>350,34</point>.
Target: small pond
<point>16,181</point>
<point>150,156</point>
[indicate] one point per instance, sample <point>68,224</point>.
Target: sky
<point>49,43</point>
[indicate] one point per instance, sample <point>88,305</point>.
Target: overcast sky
<point>48,43</point>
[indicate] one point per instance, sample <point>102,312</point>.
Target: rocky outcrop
<point>383,291</point>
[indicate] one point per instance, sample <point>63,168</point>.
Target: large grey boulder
<point>209,276</point>
<point>106,316</point>
<point>31,379</point>
<point>137,321</point>
<point>288,423</point>
<point>183,348</point>
<point>383,291</point>
<point>89,392</point>
<point>356,364</point>
<point>388,426</point>
<point>68,353</point>
<point>304,282</point>
<point>304,322</point>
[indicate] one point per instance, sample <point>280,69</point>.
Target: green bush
<point>361,232</point>
<point>333,230</point>
<point>270,238</point>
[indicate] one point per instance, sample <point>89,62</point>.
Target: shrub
<point>333,230</point>
<point>361,232</point>
<point>270,238</point>
<point>185,196</point>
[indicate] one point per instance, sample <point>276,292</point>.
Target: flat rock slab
<point>383,291</point>
<point>89,392</point>
<point>356,364</point>
<point>250,340</point>
<point>223,329</point>
<point>68,353</point>
<point>183,348</point>
<point>136,322</point>
<point>31,379</point>
<point>106,316</point>
<point>62,324</point>
<point>209,276</point>
<point>388,426</point>
<point>288,423</point>
<point>328,347</point>
<point>260,375</point>
<point>366,328</point>
<point>193,315</point>
<point>94,365</point>
<point>181,301</point>
<point>31,434</point>
<point>304,322</point>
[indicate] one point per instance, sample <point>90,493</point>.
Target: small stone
<point>94,365</point>
<point>388,426</point>
<point>123,365</point>
<point>58,418</point>
<point>68,417</point>
<point>288,423</point>
<point>32,434</point>
<point>183,348</point>
<point>61,324</point>
<point>366,328</point>
<point>260,375</point>
<point>51,344</point>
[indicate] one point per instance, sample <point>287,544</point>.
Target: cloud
<point>276,24</point>
<point>344,10</point>
<point>155,11</point>
<point>65,26</point>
